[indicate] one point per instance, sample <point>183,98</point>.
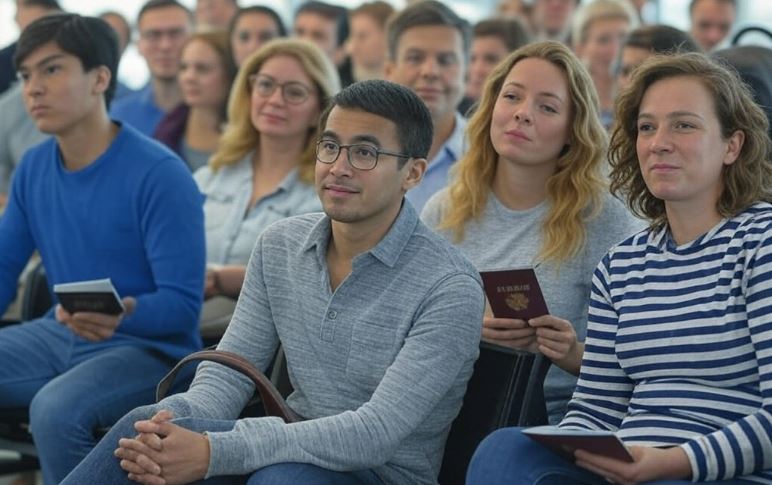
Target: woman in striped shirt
<point>678,357</point>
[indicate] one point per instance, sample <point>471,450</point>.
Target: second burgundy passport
<point>514,293</point>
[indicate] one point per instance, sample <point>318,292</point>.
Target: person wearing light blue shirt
<point>438,172</point>
<point>262,170</point>
<point>17,133</point>
<point>232,224</point>
<point>428,45</point>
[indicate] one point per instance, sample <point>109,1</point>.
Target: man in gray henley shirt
<point>378,316</point>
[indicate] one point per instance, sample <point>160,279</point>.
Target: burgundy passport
<point>514,293</point>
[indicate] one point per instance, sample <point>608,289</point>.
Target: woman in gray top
<point>530,192</point>
<point>264,167</point>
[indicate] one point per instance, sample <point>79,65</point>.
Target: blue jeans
<point>72,387</point>
<point>102,467</point>
<point>507,456</point>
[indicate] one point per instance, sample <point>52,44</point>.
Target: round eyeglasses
<point>359,155</point>
<point>293,92</point>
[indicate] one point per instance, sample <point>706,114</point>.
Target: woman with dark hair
<point>252,27</point>
<point>193,129</point>
<point>677,361</point>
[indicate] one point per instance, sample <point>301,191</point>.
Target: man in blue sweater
<point>98,200</point>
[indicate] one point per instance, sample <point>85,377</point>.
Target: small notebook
<point>514,293</point>
<point>565,441</point>
<point>98,296</point>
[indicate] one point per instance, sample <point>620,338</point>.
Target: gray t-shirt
<point>17,133</point>
<point>379,366</point>
<point>503,238</point>
<point>194,159</point>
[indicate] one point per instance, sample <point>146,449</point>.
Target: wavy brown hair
<point>240,135</point>
<point>746,181</point>
<point>573,191</point>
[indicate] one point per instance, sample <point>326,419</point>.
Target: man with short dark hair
<point>326,26</point>
<point>164,26</point>
<point>428,45</point>
<point>97,200</point>
<point>711,21</point>
<point>378,316</point>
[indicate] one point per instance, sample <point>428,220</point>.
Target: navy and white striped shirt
<point>679,346</point>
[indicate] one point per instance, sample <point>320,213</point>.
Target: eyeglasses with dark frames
<point>293,92</point>
<point>361,156</point>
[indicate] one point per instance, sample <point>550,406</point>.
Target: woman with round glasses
<point>263,170</point>
<point>529,192</point>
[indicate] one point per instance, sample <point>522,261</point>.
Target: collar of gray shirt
<point>387,250</point>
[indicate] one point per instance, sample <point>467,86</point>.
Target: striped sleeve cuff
<point>697,460</point>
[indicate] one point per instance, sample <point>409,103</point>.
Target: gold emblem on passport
<point>517,301</point>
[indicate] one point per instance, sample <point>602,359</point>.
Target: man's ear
<point>388,70</point>
<point>103,76</point>
<point>414,172</point>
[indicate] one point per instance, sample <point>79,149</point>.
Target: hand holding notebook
<point>97,296</point>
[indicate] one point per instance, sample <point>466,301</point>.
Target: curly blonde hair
<point>574,191</point>
<point>240,136</point>
<point>746,181</point>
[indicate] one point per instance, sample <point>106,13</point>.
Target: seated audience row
<point>677,360</point>
<point>533,161</point>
